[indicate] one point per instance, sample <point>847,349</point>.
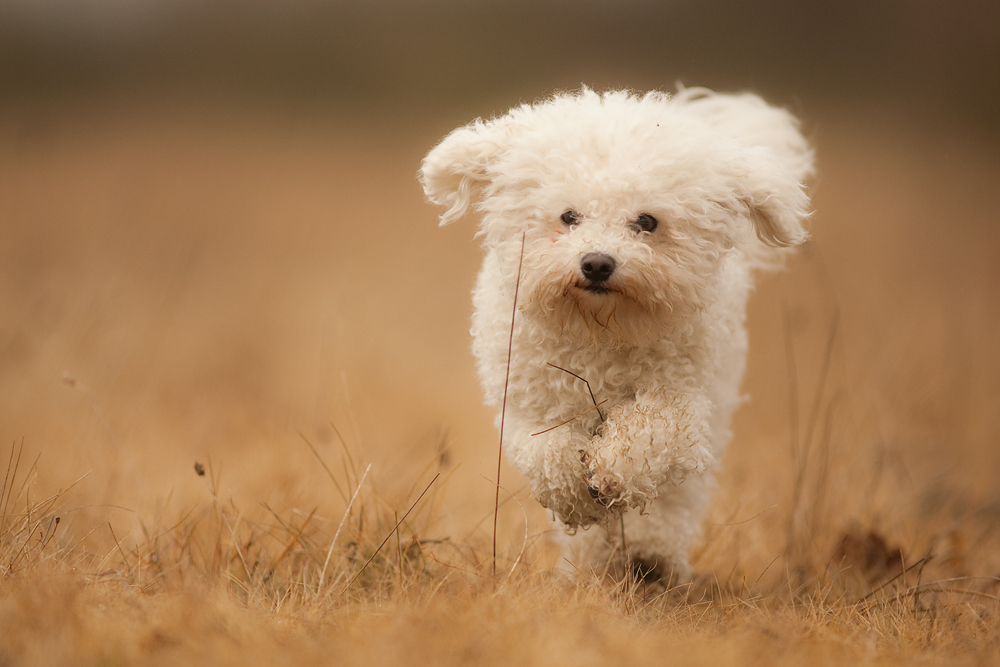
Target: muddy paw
<point>605,492</point>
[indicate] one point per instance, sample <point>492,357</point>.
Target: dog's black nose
<point>597,267</point>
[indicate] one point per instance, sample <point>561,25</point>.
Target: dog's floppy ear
<point>775,201</point>
<point>778,162</point>
<point>456,169</point>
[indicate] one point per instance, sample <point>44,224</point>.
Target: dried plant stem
<point>818,399</point>
<point>920,563</point>
<point>793,418</point>
<point>503,407</point>
<point>296,534</point>
<point>394,529</point>
<point>802,449</point>
<point>399,554</point>
<point>524,541</point>
<point>584,380</point>
<point>595,406</point>
<point>621,524</point>
<point>236,544</point>
<point>8,481</point>
<point>128,566</point>
<point>347,513</point>
<point>323,463</point>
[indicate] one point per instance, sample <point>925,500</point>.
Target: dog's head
<point>627,206</point>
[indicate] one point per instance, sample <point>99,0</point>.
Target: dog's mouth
<point>591,287</point>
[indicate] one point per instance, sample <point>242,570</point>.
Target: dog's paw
<point>606,491</point>
<point>607,487</point>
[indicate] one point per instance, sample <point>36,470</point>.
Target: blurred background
<point>424,56</point>
<point>213,246</point>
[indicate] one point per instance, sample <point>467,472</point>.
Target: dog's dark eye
<point>570,217</point>
<point>646,223</point>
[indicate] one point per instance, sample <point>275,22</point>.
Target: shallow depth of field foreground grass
<point>239,421</point>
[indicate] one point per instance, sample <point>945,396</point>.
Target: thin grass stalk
<point>394,529</point>
<point>503,407</point>
<point>347,513</point>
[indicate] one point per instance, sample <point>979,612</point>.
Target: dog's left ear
<point>774,200</point>
<point>456,170</point>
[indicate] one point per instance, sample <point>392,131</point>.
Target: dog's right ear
<point>456,170</point>
<point>752,119</point>
<point>779,161</point>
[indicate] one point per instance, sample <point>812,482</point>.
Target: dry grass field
<point>239,422</point>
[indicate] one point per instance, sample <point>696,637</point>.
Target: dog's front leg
<point>659,438</point>
<point>553,463</point>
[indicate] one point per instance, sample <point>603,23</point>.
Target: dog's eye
<point>570,217</point>
<point>646,223</point>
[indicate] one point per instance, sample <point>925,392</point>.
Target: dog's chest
<point>574,380</point>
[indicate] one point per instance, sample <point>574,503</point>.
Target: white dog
<point>635,223</point>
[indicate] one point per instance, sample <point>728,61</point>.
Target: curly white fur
<point>659,336</point>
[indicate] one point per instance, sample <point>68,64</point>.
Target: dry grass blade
<point>347,452</point>
<point>394,529</point>
<point>807,442</point>
<point>236,544</point>
<point>919,563</point>
<point>584,380</point>
<point>6,521</point>
<point>297,535</point>
<point>596,406</point>
<point>323,463</point>
<point>50,531</point>
<point>485,517</point>
<point>738,523</point>
<point>793,411</point>
<point>128,566</point>
<point>343,520</point>
<point>503,407</point>
<point>35,514</point>
<point>524,540</point>
<point>8,482</point>
<point>802,448</point>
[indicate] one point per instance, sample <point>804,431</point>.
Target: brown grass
<point>266,298</point>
